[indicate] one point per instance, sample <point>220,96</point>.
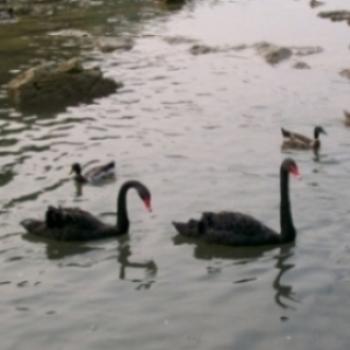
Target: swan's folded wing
<point>236,229</point>
<point>71,217</point>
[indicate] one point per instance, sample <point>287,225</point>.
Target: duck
<point>75,224</point>
<point>239,229</point>
<point>347,118</point>
<point>95,175</point>
<point>293,140</point>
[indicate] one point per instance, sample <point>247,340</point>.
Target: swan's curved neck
<point>122,215</point>
<point>288,232</point>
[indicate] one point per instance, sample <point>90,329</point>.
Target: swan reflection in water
<point>150,268</point>
<point>56,250</point>
<point>284,295</point>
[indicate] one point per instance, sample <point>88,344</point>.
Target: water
<point>203,133</point>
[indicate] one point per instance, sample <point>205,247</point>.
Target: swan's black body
<point>74,224</point>
<point>237,229</point>
<point>94,175</point>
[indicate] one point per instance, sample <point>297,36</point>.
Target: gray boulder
<point>51,86</point>
<point>273,54</point>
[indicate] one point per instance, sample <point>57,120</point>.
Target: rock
<point>55,86</point>
<point>83,38</point>
<point>75,33</point>
<point>200,49</point>
<point>74,38</point>
<point>110,44</point>
<point>336,16</point>
<point>239,47</point>
<point>178,40</point>
<point>316,3</point>
<point>345,73</point>
<point>45,8</point>
<point>306,50</point>
<point>273,54</point>
<point>301,65</point>
<point>172,4</point>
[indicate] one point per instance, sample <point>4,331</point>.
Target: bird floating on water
<point>75,224</point>
<point>237,229</point>
<point>95,175</point>
<point>293,140</point>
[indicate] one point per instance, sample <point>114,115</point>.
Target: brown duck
<point>293,140</point>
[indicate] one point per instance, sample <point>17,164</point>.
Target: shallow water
<point>203,133</point>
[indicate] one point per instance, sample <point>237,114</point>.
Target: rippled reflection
<point>56,250</point>
<point>59,250</point>
<point>284,297</point>
<point>206,251</point>
<point>149,267</point>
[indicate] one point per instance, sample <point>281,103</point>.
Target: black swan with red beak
<point>237,229</point>
<point>74,224</point>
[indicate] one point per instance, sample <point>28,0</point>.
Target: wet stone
<point>110,44</point>
<point>301,65</point>
<point>200,49</point>
<point>58,85</point>
<point>336,16</point>
<point>273,54</point>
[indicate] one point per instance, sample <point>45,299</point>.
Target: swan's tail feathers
<point>192,228</point>
<point>31,225</point>
<point>285,133</point>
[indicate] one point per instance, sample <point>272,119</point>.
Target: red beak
<point>295,171</point>
<point>147,203</point>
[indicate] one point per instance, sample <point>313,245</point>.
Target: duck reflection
<point>78,189</point>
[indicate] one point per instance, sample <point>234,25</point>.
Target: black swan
<point>74,224</point>
<point>293,140</point>
<point>237,229</point>
<point>95,174</point>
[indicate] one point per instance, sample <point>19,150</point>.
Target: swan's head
<point>76,168</point>
<point>145,196</point>
<point>291,167</point>
<point>319,130</point>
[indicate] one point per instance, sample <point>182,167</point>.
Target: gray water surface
<point>203,132</point>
